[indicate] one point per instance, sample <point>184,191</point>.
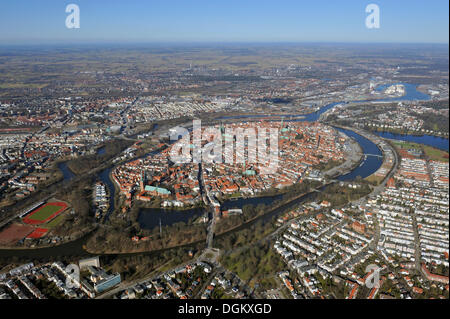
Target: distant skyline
<point>138,21</point>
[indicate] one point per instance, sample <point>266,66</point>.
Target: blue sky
<point>43,21</point>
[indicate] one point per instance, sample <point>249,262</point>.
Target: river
<point>411,93</point>
<point>101,150</point>
<point>430,140</point>
<point>372,157</point>
<point>67,173</point>
<point>150,218</point>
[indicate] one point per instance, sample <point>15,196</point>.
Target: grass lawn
<point>406,145</point>
<point>435,154</point>
<point>429,151</point>
<point>375,179</point>
<point>45,212</point>
<point>55,222</point>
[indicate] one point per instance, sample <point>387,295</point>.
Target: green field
<point>375,179</point>
<point>45,212</point>
<point>435,154</point>
<point>55,222</point>
<point>430,152</point>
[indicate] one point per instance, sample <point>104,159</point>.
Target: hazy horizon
<point>200,21</point>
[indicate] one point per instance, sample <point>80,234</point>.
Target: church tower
<point>142,181</point>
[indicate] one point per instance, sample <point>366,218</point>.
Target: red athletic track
<point>29,220</point>
<point>38,233</point>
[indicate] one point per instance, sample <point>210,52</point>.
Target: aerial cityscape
<point>297,168</point>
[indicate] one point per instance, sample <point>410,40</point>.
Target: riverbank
<point>372,154</point>
<point>442,135</point>
<point>114,192</point>
<point>441,143</point>
<point>149,218</point>
<point>354,159</point>
<point>277,208</point>
<point>81,235</point>
<point>367,167</point>
<point>281,206</point>
<point>429,152</point>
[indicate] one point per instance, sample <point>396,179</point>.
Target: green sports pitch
<point>45,213</point>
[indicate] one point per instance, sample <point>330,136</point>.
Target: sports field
<point>14,233</point>
<point>55,221</point>
<point>38,233</point>
<point>45,213</point>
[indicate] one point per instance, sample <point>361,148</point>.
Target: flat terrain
<point>55,222</point>
<point>14,233</point>
<point>87,69</point>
